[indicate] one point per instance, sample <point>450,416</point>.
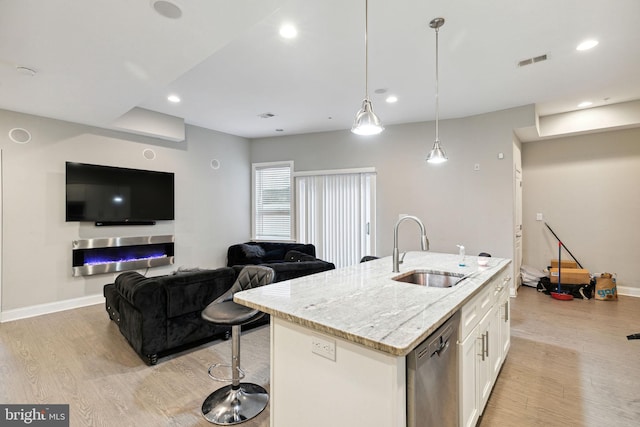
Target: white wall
<point>457,204</point>
<point>587,189</point>
<point>212,206</point>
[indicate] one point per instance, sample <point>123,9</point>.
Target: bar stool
<point>237,402</point>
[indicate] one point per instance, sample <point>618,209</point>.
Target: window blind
<point>336,213</point>
<point>272,201</point>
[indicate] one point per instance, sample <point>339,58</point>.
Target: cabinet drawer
<point>501,284</point>
<point>473,311</point>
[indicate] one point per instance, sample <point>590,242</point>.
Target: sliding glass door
<point>335,211</point>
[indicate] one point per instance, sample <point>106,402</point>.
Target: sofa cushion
<point>252,251</point>
<point>297,256</point>
<point>293,270</point>
<point>191,292</point>
<point>183,270</point>
<point>274,255</point>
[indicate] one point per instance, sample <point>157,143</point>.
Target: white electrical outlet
<point>323,347</point>
<point>539,217</point>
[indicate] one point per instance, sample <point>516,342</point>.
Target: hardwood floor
<point>79,357</point>
<point>570,364</point>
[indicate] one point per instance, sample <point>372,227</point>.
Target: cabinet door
<point>505,326</point>
<point>484,366</point>
<point>469,351</point>
<point>495,342</point>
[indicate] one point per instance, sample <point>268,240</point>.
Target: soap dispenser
<point>461,262</point>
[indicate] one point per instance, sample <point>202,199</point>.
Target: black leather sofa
<point>161,315</point>
<point>288,260</point>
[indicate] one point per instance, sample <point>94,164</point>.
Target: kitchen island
<point>339,339</point>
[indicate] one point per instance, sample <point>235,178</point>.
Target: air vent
<point>266,115</point>
<point>533,60</point>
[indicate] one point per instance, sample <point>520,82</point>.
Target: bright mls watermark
<point>34,415</point>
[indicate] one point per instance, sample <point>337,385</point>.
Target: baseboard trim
<point>54,307</point>
<point>629,291</point>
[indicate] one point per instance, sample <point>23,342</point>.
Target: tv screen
<point>112,194</point>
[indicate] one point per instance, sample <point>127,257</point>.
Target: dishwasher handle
<point>439,342</point>
<point>442,347</point>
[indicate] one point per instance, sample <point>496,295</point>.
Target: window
<point>271,201</point>
<point>336,213</point>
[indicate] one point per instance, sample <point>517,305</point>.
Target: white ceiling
<point>97,59</point>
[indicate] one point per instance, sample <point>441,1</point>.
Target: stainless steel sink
<point>432,279</point>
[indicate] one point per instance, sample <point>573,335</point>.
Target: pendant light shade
<point>437,154</point>
<point>366,121</point>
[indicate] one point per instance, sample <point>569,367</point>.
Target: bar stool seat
<point>237,402</point>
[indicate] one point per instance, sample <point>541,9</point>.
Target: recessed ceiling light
<point>173,98</point>
<point>391,99</point>
<point>166,9</point>
<point>288,31</point>
<point>585,104</point>
<point>587,44</point>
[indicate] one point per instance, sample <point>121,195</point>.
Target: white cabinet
<point>505,325</point>
<point>468,385</point>
<point>489,357</point>
<point>483,345</point>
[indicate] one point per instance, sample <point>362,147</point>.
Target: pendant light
<point>437,154</point>
<point>366,122</point>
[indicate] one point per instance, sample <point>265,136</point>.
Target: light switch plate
<point>539,217</point>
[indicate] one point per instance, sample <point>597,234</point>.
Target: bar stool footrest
<point>224,365</point>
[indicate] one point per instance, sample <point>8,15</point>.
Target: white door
<point>517,262</point>
<point>517,219</point>
<point>0,235</point>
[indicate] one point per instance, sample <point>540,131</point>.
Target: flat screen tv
<point>110,195</point>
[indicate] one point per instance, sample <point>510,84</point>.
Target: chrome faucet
<point>424,242</point>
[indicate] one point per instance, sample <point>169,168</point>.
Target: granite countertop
<point>362,303</point>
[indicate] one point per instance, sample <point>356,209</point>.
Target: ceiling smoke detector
<point>533,60</point>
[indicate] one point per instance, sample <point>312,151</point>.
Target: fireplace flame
<point>106,260</point>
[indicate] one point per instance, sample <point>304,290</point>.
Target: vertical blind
<point>336,213</point>
<point>272,202</point>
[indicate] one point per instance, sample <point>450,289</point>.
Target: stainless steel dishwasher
<point>432,378</point>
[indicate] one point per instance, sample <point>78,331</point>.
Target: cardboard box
<point>570,276</point>
<point>564,263</point>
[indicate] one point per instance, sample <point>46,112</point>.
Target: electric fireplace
<point>107,255</point>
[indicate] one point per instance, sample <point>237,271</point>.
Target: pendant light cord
<point>437,89</point>
<point>366,49</point>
